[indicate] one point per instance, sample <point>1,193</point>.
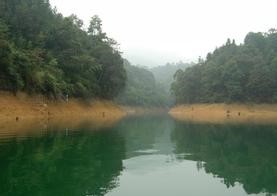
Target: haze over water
<point>149,155</point>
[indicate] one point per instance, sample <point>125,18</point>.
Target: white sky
<point>153,32</point>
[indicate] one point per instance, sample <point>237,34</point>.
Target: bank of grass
<point>226,113</point>
<point>23,110</point>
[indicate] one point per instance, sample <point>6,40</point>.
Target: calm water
<point>149,155</point>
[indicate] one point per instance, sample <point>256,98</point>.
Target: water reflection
<point>80,163</point>
<point>236,153</point>
<point>147,155</point>
<point>147,135</point>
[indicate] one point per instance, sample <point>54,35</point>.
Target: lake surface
<point>150,155</point>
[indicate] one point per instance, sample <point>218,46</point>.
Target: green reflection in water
<point>149,155</point>
<point>58,163</point>
<point>236,153</point>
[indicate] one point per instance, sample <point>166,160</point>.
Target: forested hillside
<point>164,73</point>
<point>43,52</point>
<point>233,73</point>
<point>141,88</point>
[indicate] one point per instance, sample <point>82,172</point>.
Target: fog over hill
<point>164,74</point>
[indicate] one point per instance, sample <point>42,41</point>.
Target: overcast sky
<point>153,32</point>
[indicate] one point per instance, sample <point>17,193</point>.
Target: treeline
<point>164,74</point>
<point>43,52</point>
<point>233,73</point>
<point>141,88</point>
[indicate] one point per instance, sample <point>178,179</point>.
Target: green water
<point>151,155</point>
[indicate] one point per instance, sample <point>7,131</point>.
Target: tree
<point>44,52</point>
<point>244,73</point>
<point>95,27</point>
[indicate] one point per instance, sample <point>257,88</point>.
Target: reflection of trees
<point>56,164</point>
<point>146,132</point>
<point>236,153</point>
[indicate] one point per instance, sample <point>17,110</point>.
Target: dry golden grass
<point>22,112</point>
<point>226,113</point>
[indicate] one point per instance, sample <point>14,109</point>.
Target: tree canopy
<point>43,52</point>
<point>232,73</point>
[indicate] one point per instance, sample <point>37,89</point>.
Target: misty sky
<point>153,32</point>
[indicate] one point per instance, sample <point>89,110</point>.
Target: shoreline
<point>226,113</point>
<point>23,113</point>
<point>24,109</point>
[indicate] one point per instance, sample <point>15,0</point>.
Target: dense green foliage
<point>233,73</point>
<point>43,52</point>
<point>141,88</point>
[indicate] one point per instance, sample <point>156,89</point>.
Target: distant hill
<point>141,88</point>
<point>164,74</point>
